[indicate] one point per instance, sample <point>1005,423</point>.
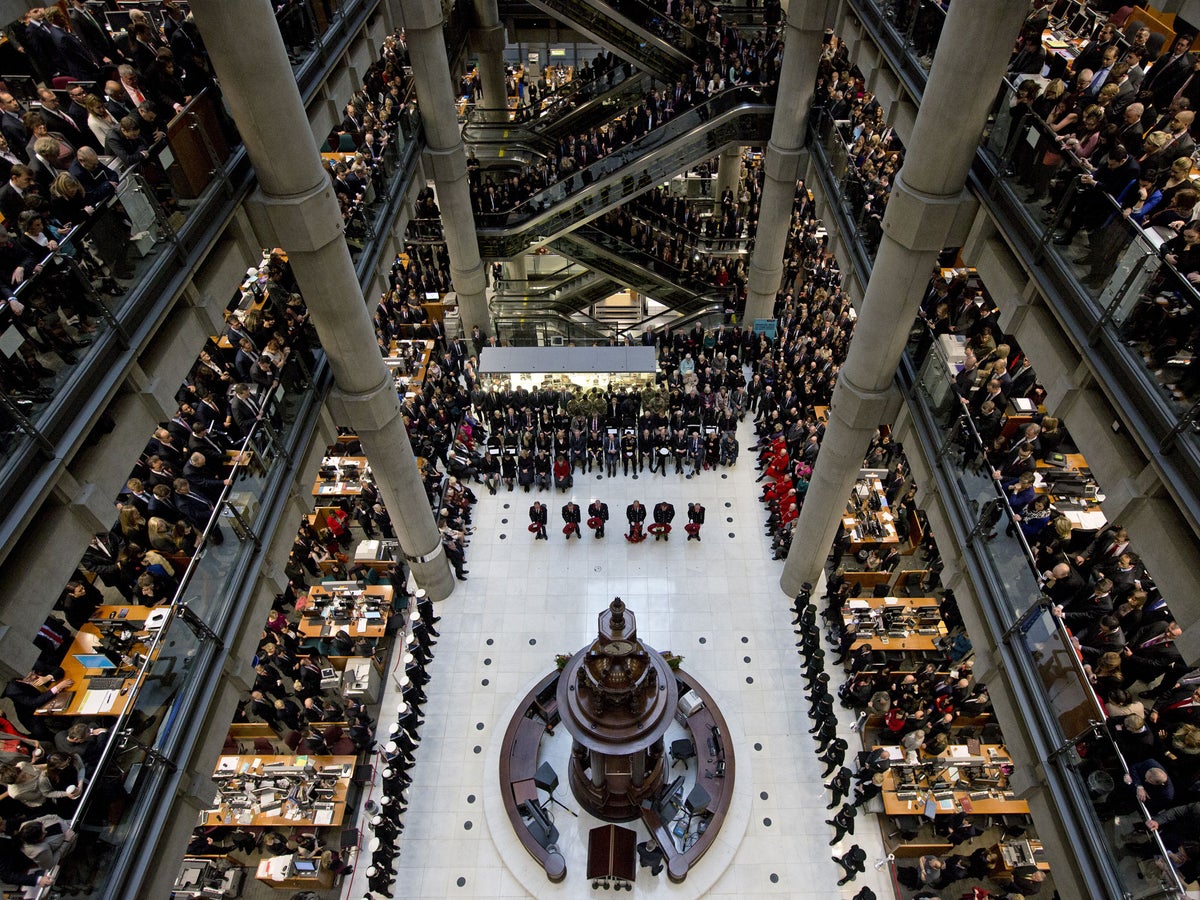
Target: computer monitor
<point>94,661</point>
<point>117,21</point>
<point>304,866</point>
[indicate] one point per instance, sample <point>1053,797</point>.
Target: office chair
<point>681,751</point>
<point>264,747</point>
<point>292,740</point>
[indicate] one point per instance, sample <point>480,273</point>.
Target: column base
<point>432,574</point>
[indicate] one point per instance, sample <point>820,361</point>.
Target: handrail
<point>735,116</point>
<point>177,607</point>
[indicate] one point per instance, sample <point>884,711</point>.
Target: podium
<point>612,856</point>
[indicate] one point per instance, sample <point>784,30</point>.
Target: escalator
<point>573,109</point>
<point>567,296</point>
<point>733,117</point>
<point>635,31</point>
<point>637,270</point>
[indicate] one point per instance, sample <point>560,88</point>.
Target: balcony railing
<point>1114,306</point>
<point>1079,755</point>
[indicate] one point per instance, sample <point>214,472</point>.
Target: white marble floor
<point>716,602</point>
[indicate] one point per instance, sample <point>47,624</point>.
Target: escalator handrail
<point>604,171</point>
<point>618,247</point>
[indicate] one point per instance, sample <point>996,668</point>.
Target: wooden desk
<point>275,872</point>
<point>984,806</point>
<point>700,726</point>
<point>914,642</point>
<point>1075,462</point>
<point>612,853</point>
<point>256,765</point>
<point>79,701</point>
<point>339,488</point>
<point>883,516</point>
<point>357,627</point>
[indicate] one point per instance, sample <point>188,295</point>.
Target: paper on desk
<point>323,817</point>
<point>97,702</point>
<point>1086,519</point>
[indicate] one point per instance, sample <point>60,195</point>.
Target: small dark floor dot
<point>532,641</point>
<point>762,796</point>
<point>731,534</point>
<point>504,521</point>
<point>745,659</point>
<point>749,679</point>
<point>635,478</point>
<point>506,506</point>
<point>729,518</point>
<point>728,504</point>
<point>724,475</point>
<point>704,640</point>
<point>485,682</point>
<point>758,746</point>
<point>477,749</point>
<point>461,882</point>
<point>599,477</point>
<point>774,878</point>
<point>488,661</point>
<point>470,798</point>
<point>468,825</point>
<point>490,641</point>
<point>745,640</point>
<point>479,726</point>
<point>503,537</point>
<point>767,822</point>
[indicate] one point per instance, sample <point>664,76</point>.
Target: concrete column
<point>516,268</point>
<point>427,50</point>
<point>487,40</point>
<point>806,23</point>
<point>296,198</point>
<point>728,168</point>
<point>922,214</point>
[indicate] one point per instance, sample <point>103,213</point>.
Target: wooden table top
<point>110,703</point>
<point>983,806</point>
<point>256,764</point>
<point>322,627</point>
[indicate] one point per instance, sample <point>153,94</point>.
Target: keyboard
<point>105,684</point>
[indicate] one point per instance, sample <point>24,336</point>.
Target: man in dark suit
<point>598,510</point>
<point>538,517</point>
<point>92,32</point>
<point>11,126</point>
<point>572,517</point>
<point>21,180</point>
<point>696,519</point>
<point>1167,76</point>
<point>635,513</point>
<point>98,180</point>
<point>664,514</point>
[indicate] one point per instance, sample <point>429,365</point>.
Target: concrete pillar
<point>922,213</point>
<point>431,72</point>
<point>297,200</point>
<point>806,22</point>
<point>729,167</point>
<point>516,269</point>
<point>487,40</point>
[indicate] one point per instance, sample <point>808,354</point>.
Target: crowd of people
<point>494,194</point>
<point>53,184</point>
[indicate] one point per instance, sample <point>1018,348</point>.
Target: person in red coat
<point>695,520</point>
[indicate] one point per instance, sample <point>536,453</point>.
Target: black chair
<point>681,751</point>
